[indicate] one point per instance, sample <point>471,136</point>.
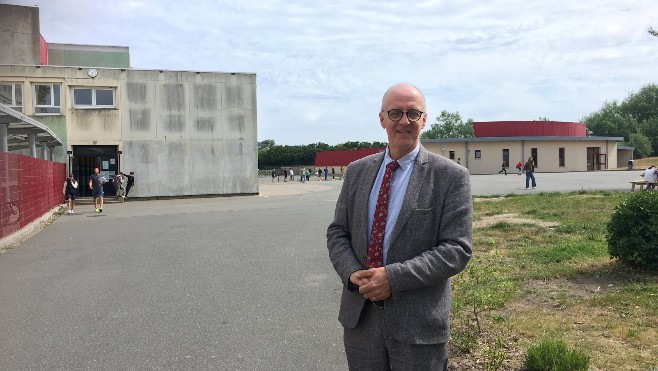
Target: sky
<point>322,67</point>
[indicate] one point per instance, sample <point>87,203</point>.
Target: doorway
<point>86,158</point>
<point>595,161</point>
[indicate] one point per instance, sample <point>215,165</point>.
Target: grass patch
<point>547,273</point>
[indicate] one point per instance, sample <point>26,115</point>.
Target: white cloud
<point>322,67</point>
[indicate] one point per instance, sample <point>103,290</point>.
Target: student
<point>519,167</point>
<point>70,189</point>
<point>96,182</point>
<point>130,183</point>
<point>650,175</point>
<point>529,169</point>
<point>504,168</point>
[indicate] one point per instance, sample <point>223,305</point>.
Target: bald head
<point>402,87</point>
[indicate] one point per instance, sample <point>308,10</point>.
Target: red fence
<point>29,188</point>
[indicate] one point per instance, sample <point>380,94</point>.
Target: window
<point>47,99</point>
<point>478,153</point>
<point>11,94</point>
<point>93,97</point>
<point>452,155</point>
<point>561,156</point>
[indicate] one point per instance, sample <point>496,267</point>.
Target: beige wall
<point>491,154</point>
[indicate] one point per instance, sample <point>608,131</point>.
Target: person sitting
<point>651,176</point>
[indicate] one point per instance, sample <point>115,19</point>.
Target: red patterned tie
<point>376,245</point>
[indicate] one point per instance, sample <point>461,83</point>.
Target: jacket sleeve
<point>449,241</point>
<point>339,237</point>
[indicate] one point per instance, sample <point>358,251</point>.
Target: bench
<point>642,184</point>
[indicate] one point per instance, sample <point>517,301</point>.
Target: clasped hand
<point>373,283</point>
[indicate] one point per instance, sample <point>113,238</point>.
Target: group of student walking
<point>528,168</point>
<point>96,182</point>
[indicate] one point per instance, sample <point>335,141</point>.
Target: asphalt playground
<point>225,283</point>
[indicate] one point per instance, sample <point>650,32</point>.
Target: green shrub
<point>554,355</point>
<point>632,233</point>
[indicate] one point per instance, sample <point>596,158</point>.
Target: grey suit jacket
<point>431,241</point>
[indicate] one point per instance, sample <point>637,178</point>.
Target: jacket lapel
<point>410,201</point>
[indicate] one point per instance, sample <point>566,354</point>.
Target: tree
<point>543,119</point>
<point>636,114</point>
<point>649,128</point>
<point>267,143</point>
<point>641,143</point>
<point>652,31</point>
<point>642,105</point>
<point>611,121</point>
<point>449,125</point>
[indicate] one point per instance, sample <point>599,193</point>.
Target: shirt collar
<point>405,161</point>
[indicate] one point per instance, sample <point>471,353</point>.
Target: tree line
<point>635,119</point>
<point>272,155</point>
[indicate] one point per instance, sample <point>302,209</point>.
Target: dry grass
<point>644,163</point>
<point>550,248</point>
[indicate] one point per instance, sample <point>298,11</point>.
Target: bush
<point>632,233</point>
<point>554,355</point>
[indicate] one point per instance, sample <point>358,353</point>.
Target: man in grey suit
<point>395,304</point>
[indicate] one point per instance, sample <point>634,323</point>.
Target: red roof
<point>343,157</point>
<point>529,129</point>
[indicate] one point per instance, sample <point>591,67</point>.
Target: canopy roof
<point>21,125</point>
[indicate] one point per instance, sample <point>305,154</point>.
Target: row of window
<point>47,97</point>
<point>533,153</point>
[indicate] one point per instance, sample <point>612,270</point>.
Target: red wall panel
<point>29,188</point>
<point>43,49</point>
<point>528,128</point>
<point>343,157</point>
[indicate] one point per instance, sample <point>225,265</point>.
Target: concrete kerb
<point>26,232</point>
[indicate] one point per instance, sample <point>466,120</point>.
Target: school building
<point>554,146</point>
<point>183,133</point>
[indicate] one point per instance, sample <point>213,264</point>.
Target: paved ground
<point>234,283</point>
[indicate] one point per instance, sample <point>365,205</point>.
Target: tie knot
<point>392,166</point>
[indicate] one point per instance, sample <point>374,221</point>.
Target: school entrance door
<point>595,159</point>
<point>85,158</point>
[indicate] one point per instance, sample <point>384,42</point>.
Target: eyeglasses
<point>412,114</point>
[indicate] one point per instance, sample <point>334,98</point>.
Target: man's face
<point>95,170</point>
<point>403,134</point>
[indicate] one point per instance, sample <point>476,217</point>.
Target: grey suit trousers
<point>370,347</point>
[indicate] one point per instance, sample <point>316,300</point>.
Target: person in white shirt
<point>70,189</point>
<point>651,175</point>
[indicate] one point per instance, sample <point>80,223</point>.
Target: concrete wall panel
<point>238,124</point>
<point>138,109</point>
<point>174,168</point>
<point>142,158</point>
<point>19,39</point>
<point>239,160</point>
<point>206,177</point>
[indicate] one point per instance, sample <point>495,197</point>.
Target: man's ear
<point>381,120</point>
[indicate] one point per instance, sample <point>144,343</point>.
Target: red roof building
<point>343,157</point>
<point>528,129</point>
